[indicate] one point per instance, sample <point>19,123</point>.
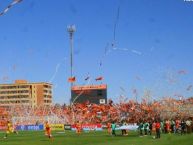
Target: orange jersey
<point>78,128</point>
<point>48,130</point>
<point>78,125</point>
<point>47,127</point>
<point>153,126</point>
<point>168,125</point>
<point>177,124</point>
<point>108,125</point>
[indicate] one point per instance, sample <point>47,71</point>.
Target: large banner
<point>128,127</point>
<point>57,126</point>
<point>88,127</point>
<point>40,127</point>
<point>30,127</point>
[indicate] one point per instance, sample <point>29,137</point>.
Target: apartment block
<point>24,93</point>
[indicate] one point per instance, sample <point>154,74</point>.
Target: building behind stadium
<point>24,93</point>
<point>93,93</point>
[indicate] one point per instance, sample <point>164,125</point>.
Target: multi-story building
<point>26,94</point>
<point>93,93</point>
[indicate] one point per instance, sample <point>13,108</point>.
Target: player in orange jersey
<point>78,127</point>
<point>48,130</point>
<point>109,128</point>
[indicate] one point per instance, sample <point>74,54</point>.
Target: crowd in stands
<point>130,111</point>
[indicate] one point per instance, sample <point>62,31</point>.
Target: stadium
<point>137,89</point>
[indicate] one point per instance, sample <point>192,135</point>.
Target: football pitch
<point>93,138</point>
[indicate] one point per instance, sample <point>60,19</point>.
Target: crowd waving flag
<point>130,111</point>
<point>9,6</point>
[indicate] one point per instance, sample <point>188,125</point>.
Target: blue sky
<point>154,41</point>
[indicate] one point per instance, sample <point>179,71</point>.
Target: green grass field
<point>93,138</point>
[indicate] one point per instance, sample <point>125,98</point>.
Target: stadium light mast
<point>71,29</point>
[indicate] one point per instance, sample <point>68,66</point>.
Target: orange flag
<point>99,79</point>
<point>72,79</point>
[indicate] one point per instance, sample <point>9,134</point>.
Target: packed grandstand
<point>86,113</point>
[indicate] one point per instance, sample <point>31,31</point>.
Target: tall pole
<point>71,29</point>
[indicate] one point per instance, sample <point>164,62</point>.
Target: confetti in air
<point>112,46</point>
<point>136,52</point>
<point>56,70</point>
<point>138,78</point>
<point>171,77</point>
<point>9,6</point>
<point>122,89</point>
<point>182,72</point>
<point>115,27</point>
<point>87,77</point>
<point>125,49</point>
<point>106,52</point>
<point>14,67</point>
<point>114,42</point>
<point>189,88</point>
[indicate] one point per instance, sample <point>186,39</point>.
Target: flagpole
<point>71,29</point>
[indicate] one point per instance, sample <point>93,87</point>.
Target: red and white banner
<point>87,127</point>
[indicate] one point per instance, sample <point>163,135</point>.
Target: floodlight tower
<point>71,29</point>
